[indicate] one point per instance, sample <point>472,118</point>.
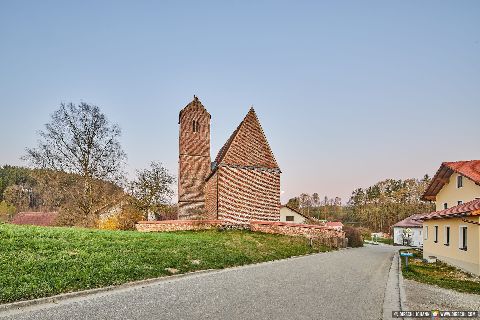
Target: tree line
<point>77,169</point>
<point>377,207</point>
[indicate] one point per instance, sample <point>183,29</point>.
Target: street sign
<point>406,254</point>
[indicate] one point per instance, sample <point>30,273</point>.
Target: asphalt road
<point>347,284</point>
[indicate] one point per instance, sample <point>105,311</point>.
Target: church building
<point>241,185</point>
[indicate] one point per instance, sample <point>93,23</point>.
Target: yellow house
<point>452,232</point>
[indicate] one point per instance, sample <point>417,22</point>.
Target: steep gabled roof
<point>471,208</point>
<point>247,146</point>
<point>409,222</point>
<point>469,169</point>
<point>194,104</point>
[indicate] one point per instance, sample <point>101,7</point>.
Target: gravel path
<point>347,284</point>
<point>424,297</point>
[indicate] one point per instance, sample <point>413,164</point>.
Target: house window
<point>436,234</point>
<point>459,181</point>
<point>447,235</point>
<point>445,205</point>
<point>290,218</point>
<point>425,233</point>
<point>196,126</point>
<point>459,202</point>
<point>463,238</point>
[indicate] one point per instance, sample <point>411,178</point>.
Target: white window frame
<point>460,236</point>
<point>445,205</point>
<point>459,202</point>
<point>435,236</point>
<point>425,234</point>
<point>445,235</point>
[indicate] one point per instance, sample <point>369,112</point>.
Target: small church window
<point>196,126</point>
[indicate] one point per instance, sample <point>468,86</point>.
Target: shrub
<point>6,211</point>
<point>365,232</point>
<point>110,223</point>
<point>354,237</point>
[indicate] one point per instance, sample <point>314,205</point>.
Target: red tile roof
<point>35,218</point>
<point>471,208</point>
<point>469,169</point>
<point>409,222</point>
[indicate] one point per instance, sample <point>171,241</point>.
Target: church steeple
<point>194,158</point>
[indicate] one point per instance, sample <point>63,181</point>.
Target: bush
<point>110,223</point>
<point>365,232</point>
<point>6,211</point>
<point>354,237</point>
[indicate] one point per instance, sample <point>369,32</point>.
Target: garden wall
<point>318,234</point>
<point>177,225</point>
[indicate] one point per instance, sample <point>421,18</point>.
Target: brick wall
<point>177,225</point>
<point>317,234</point>
<point>323,235</point>
<point>194,160</point>
<point>248,194</point>
<point>211,197</point>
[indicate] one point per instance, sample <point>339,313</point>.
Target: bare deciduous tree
<point>79,139</point>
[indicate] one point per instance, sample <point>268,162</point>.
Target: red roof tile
<point>35,218</point>
<point>410,222</point>
<point>467,209</point>
<point>469,169</point>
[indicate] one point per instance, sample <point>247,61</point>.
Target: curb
<point>392,300</point>
<point>16,306</point>
<point>401,284</point>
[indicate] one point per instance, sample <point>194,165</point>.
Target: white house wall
<point>297,218</point>
<point>417,238</point>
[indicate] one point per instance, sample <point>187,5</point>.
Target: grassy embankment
<point>38,262</point>
<point>440,274</point>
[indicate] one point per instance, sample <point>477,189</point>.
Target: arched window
<point>196,126</point>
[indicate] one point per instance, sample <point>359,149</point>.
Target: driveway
<point>346,284</point>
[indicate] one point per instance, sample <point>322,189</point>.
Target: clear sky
<point>348,92</point>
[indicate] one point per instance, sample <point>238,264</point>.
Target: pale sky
<point>348,92</point>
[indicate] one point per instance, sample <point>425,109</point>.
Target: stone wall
<point>319,234</point>
<point>177,225</point>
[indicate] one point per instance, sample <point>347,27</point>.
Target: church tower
<point>194,159</point>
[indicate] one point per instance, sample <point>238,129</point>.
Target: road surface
<point>346,284</point>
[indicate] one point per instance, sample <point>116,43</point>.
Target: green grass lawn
<point>440,274</point>
<point>38,261</point>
